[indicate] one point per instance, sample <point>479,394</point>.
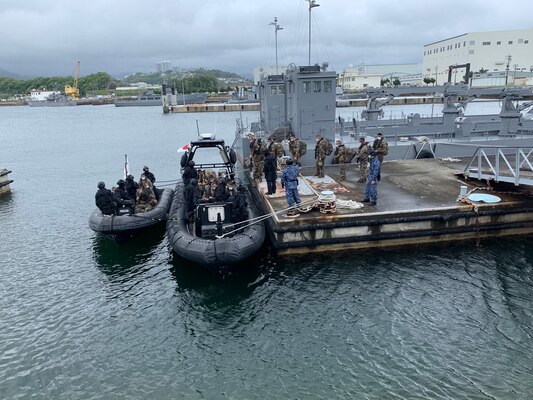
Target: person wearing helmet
<point>189,172</point>
<point>104,200</point>
<point>148,174</point>
<point>289,181</point>
<point>131,187</point>
<point>151,178</point>
<point>120,191</point>
<point>192,196</point>
<point>240,205</point>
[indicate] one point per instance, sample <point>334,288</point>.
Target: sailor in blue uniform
<point>289,181</point>
<point>371,192</point>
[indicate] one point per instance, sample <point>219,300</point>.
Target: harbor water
<point>83,318</point>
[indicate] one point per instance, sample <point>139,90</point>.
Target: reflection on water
<point>119,259</point>
<point>84,318</point>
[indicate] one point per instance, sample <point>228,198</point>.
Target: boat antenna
<point>197,128</point>
<point>312,4</point>
<point>276,29</point>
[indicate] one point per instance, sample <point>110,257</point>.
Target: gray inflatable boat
<point>120,228</point>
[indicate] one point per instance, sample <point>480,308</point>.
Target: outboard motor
<point>126,208</point>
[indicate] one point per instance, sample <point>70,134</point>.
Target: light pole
<point>507,68</point>
<point>312,4</point>
<point>183,89</point>
<point>276,29</point>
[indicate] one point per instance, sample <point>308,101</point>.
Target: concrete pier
<point>417,203</point>
<point>4,181</point>
<point>214,107</point>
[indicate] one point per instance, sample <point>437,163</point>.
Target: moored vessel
<point>122,227</point>
<point>221,228</point>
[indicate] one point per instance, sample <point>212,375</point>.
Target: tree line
<point>102,83</point>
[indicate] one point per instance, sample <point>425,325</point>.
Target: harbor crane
<point>73,90</point>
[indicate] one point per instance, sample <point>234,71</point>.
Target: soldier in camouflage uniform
<point>362,158</point>
<point>320,155</point>
<point>258,158</point>
<point>276,149</point>
<point>381,147</point>
<point>294,147</point>
<point>341,155</point>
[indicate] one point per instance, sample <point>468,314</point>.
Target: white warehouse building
<point>491,51</point>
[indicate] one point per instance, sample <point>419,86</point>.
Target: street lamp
<point>276,29</point>
<point>312,4</point>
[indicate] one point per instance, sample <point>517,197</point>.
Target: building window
<point>526,41</point>
<point>485,44</point>
<point>327,86</point>
<point>470,51</point>
<point>510,42</point>
<point>464,44</point>
<point>472,43</point>
<point>498,42</point>
<point>520,41</point>
<point>273,90</point>
<point>307,87</point>
<point>317,86</point>
<point>281,89</point>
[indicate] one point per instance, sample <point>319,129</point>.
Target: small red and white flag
<point>184,148</point>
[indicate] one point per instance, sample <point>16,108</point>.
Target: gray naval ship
<point>302,101</point>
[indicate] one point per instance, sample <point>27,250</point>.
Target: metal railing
<point>502,164</point>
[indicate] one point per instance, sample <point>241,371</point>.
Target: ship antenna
<point>312,4</point>
<point>276,29</point>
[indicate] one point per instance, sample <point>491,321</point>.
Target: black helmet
<point>101,185</point>
<point>121,182</point>
<point>191,163</point>
<point>129,178</point>
<point>145,168</point>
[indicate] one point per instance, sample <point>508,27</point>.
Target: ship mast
<point>276,29</point>
<point>312,4</point>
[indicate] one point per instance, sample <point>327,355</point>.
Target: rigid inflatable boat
<point>214,236</point>
<point>122,227</point>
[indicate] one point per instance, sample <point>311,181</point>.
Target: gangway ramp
<point>502,164</point>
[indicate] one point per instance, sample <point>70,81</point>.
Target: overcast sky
<point>46,37</point>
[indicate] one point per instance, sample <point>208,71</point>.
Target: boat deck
<point>417,202</point>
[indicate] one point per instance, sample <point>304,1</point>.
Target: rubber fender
<point>425,154</point>
<point>184,159</point>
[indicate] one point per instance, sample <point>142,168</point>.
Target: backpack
<point>350,154</point>
<point>303,147</point>
<point>329,147</point>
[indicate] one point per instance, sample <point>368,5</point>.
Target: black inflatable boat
<point>214,237</point>
<point>122,227</point>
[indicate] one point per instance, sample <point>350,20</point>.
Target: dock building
<point>367,75</point>
<point>507,51</point>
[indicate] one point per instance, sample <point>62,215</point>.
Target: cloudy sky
<point>45,37</point>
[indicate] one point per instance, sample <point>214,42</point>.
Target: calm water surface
<point>82,318</point>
